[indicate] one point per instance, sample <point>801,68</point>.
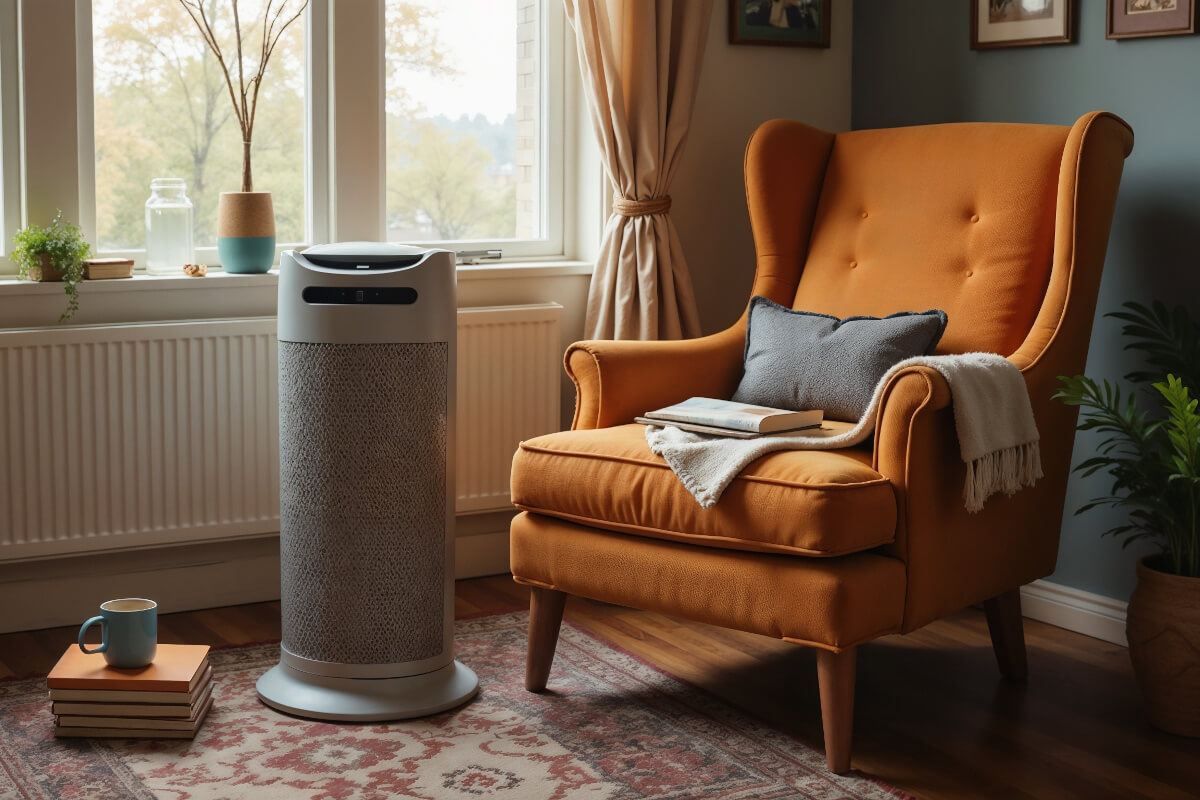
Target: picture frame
<point>1137,19</point>
<point>1021,23</point>
<point>780,23</point>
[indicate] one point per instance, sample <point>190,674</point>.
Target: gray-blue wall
<point>913,65</point>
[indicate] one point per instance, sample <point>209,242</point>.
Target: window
<point>408,120</point>
<point>161,109</point>
<point>466,126</point>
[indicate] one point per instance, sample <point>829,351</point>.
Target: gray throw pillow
<point>800,360</point>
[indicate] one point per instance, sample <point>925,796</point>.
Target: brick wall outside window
<point>528,168</point>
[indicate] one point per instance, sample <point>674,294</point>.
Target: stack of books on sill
<point>168,699</point>
<point>95,269</point>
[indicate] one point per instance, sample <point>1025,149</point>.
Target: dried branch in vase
<point>244,94</point>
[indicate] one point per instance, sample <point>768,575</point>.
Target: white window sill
<point>524,269</point>
<point>140,282</point>
<point>216,279</point>
<point>143,298</point>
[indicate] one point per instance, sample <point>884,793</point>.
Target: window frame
<point>338,202</point>
<point>46,117</point>
<point>10,138</point>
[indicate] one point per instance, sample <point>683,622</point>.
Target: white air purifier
<point>366,484</point>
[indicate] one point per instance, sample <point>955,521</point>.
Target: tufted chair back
<point>961,217</point>
<point>957,217</point>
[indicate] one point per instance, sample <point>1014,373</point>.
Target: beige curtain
<point>640,61</point>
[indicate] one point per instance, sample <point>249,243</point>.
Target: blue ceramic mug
<point>128,632</point>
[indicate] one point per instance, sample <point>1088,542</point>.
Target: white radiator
<point>134,435</point>
<point>509,369</point>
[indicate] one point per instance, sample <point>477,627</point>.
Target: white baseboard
<point>476,556</point>
<point>66,591</point>
<point>49,593</point>
<point>1075,610</point>
<point>481,544</point>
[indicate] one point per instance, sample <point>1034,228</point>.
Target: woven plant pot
<point>45,271</point>
<point>1163,628</point>
<point>246,231</point>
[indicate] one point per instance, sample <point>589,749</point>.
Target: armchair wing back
<point>962,217</point>
<point>957,217</point>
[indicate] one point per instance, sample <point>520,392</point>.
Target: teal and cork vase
<point>246,231</point>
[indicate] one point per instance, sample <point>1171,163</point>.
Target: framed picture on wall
<point>1133,19</point>
<point>1019,23</point>
<point>788,23</point>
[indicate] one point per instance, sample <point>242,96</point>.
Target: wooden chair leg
<point>1008,634</point>
<point>835,677</point>
<point>545,617</point>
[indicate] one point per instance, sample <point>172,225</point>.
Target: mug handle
<point>103,635</point>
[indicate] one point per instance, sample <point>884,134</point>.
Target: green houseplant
<point>55,253</point>
<point>1153,458</point>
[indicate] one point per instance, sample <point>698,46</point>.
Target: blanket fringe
<point>1007,470</point>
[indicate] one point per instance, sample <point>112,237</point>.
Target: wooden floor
<point>933,716</point>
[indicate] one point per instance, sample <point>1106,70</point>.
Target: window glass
<point>163,110</point>
<point>463,100</point>
<point>4,210</point>
<point>9,150</point>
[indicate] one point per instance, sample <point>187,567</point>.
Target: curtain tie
<point>641,208</point>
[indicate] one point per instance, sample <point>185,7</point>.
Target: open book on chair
<point>727,418</point>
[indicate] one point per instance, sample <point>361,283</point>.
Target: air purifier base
<point>366,699</point>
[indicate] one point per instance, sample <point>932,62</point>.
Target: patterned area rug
<point>613,727</point>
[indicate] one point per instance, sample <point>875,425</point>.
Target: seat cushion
<point>806,502</point>
<point>833,603</point>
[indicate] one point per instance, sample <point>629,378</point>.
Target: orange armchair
<point>1002,226</point>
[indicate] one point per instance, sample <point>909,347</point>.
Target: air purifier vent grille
<point>363,447</point>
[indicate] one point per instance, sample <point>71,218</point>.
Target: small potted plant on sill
<point>1154,461</point>
<point>55,253</point>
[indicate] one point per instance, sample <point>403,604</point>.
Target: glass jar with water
<point>168,227</point>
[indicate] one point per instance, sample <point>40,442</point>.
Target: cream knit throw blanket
<point>997,435</point>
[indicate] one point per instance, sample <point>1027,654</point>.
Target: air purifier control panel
<point>349,295</point>
<point>324,296</point>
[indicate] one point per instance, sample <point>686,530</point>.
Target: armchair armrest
<point>911,392</point>
<point>616,381</point>
<point>955,558</point>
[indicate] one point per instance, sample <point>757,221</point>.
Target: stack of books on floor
<point>168,699</point>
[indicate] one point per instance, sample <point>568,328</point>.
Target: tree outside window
<point>162,110</point>
<point>454,160</point>
<point>460,88</point>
